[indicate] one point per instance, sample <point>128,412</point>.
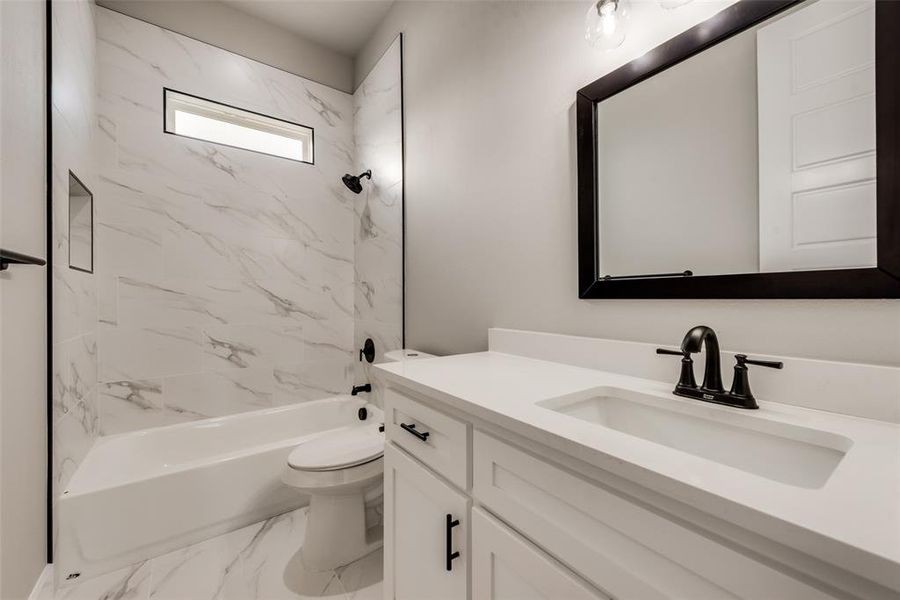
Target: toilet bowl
<point>336,469</point>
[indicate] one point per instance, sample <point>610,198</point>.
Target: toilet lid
<point>339,449</point>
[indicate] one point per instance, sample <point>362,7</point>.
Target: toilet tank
<point>405,354</point>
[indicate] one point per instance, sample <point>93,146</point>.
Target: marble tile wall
<point>74,338</point>
<point>378,234</point>
<point>225,278</point>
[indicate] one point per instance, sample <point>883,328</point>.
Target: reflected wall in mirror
<point>745,146</point>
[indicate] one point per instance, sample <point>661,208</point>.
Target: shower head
<point>353,182</point>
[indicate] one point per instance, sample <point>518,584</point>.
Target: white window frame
<point>175,102</point>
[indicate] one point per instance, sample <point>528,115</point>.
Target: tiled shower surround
<point>224,280</point>
<point>225,277</point>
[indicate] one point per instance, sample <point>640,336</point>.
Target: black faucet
<point>366,387</point>
<point>693,342</point>
<point>712,390</point>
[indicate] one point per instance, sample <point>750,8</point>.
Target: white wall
<point>218,24</point>
<point>490,189</point>
<point>23,334</point>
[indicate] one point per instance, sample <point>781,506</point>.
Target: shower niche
<point>81,226</point>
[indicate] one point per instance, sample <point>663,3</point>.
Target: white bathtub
<point>144,493</point>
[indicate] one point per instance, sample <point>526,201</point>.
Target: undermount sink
<point>782,452</point>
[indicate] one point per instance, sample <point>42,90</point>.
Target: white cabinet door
<point>816,73</point>
<point>505,566</point>
<point>425,539</point>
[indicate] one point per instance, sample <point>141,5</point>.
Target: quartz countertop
<point>852,521</point>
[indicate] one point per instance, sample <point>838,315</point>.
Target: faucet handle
<point>686,380</point>
<point>772,364</point>
<point>670,352</point>
<point>740,386</point>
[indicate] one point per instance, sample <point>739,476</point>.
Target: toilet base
<point>336,531</point>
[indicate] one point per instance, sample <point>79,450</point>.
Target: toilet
<point>337,469</point>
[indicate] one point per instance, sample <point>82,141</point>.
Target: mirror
<point>755,155</point>
<point>745,146</point>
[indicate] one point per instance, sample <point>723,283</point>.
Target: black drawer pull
<point>422,435</point>
<point>451,523</point>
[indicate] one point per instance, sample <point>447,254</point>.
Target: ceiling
<point>343,26</point>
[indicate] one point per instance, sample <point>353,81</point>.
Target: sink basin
<point>798,456</point>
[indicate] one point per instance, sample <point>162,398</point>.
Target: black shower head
<point>353,182</point>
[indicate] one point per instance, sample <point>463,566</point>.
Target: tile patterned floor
<point>258,562</point>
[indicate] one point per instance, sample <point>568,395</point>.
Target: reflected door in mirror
<point>817,138</point>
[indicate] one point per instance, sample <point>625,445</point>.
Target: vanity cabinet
<point>425,524</point>
<point>542,529</point>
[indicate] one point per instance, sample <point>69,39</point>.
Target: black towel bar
<point>8,257</point>
<point>687,273</point>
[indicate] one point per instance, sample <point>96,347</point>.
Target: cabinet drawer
<point>505,566</point>
<point>438,440</point>
<point>623,548</point>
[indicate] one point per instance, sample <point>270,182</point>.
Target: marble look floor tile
<point>130,583</point>
<point>374,591</point>
<point>204,571</point>
<point>269,549</point>
<point>361,580</point>
<point>258,562</point>
<point>302,584</point>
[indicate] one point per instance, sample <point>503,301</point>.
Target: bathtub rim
<point>72,488</point>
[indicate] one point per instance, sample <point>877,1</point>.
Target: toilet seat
<point>338,450</point>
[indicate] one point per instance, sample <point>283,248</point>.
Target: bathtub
<point>145,493</point>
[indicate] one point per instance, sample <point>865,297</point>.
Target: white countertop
<point>852,521</point>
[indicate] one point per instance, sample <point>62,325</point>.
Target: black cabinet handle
<point>422,435</point>
<point>451,523</point>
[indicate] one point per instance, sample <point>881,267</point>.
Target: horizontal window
<point>202,119</point>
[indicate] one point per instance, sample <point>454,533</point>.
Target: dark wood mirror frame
<point>882,281</point>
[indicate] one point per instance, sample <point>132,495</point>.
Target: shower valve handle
<point>367,351</point>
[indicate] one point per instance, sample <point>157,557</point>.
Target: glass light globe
<point>606,23</point>
<point>670,4</point>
